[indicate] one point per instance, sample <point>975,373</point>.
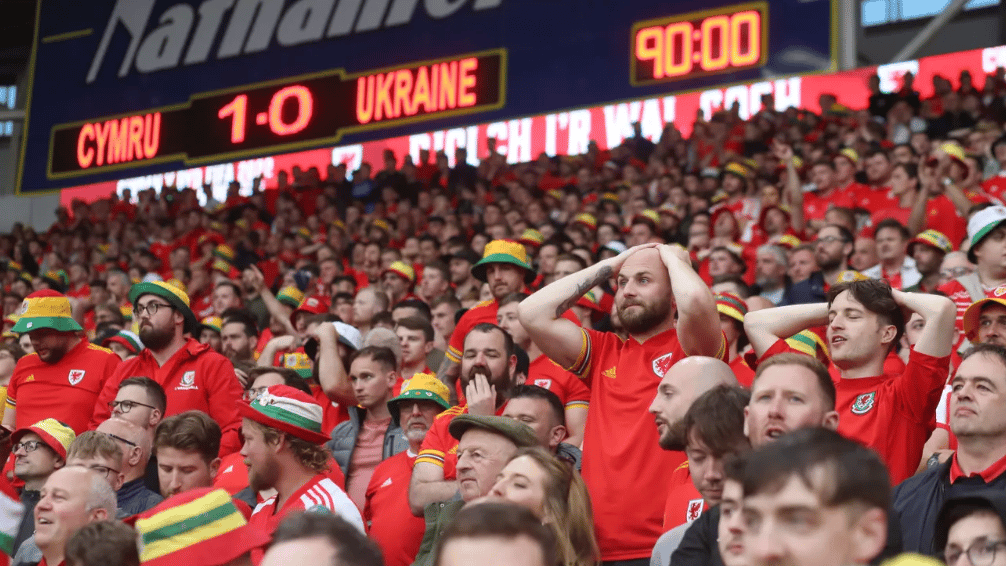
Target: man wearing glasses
<point>831,251</point>
<point>65,376</point>
<point>192,375</point>
<point>38,451</point>
<point>973,528</point>
<point>133,495</point>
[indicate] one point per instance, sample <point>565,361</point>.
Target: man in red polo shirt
<point>654,283</point>
<point>390,521</point>
<point>193,376</point>
<point>64,376</point>
<point>893,414</point>
<point>507,269</point>
<point>487,370</point>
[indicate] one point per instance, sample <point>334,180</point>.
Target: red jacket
<point>196,377</point>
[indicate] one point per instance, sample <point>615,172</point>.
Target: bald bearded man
<point>685,382</point>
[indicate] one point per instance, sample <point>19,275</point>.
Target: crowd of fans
<point>779,340</point>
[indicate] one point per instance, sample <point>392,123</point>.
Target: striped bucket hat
<point>45,309</point>
<point>290,296</point>
<point>129,340</point>
<point>933,239</point>
<point>401,269</point>
<point>731,305</point>
<point>286,409</point>
<point>175,296</point>
<point>54,434</point>
<point>214,323</point>
<point>504,251</point>
<point>199,527</point>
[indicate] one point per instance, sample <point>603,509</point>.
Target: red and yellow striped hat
<point>401,269</point>
<point>932,238</point>
<point>731,305</point>
<point>199,527</point>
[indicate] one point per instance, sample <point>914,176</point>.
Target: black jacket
<point>810,290</point>
<point>698,547</point>
<point>918,499</point>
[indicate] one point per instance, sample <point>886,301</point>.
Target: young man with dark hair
<point>839,488</point>
<point>186,446</point>
<point>896,266</point>
<point>542,410</point>
<point>865,320</point>
<point>141,401</point>
<point>312,539</point>
<point>714,430</point>
<point>442,310</point>
<point>370,435</point>
<point>505,531</point>
<point>416,337</point>
<point>226,295</point>
<point>410,308</point>
<point>239,336</point>
<point>436,281</point>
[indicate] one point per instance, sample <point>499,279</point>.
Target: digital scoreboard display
<point>131,88</point>
<point>700,43</point>
<point>275,117</point>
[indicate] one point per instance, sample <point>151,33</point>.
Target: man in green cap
<point>506,268</point>
<point>63,377</point>
<point>193,376</point>
<point>496,440</point>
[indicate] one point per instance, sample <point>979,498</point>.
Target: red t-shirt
<point>894,414</point>
<point>684,502</point>
<point>625,473</point>
<point>82,292</point>
<point>320,493</point>
<point>195,377</point>
<point>742,371</point>
<point>868,198</point>
<point>815,206</point>
<point>332,412</point>
<point>547,374</point>
<point>386,513</point>
<point>66,390</point>
<point>996,186</point>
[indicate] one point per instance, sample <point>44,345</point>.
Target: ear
<point>887,334</point>
<point>155,417</point>
<point>746,427</point>
<point>428,348</point>
<point>512,364</point>
<point>557,435</point>
<point>59,463</point>
<point>253,343</point>
<point>120,479</point>
<point>214,467</point>
<point>830,420</point>
<point>135,455</point>
<point>392,378</point>
<point>869,535</point>
<point>99,514</point>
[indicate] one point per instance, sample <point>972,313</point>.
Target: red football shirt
<point>195,377</point>
<point>386,513</point>
<point>66,390</point>
<point>894,414</point>
<point>547,374</point>
<point>684,502</point>
<point>962,299</point>
<point>320,493</point>
<point>742,371</point>
<point>625,472</point>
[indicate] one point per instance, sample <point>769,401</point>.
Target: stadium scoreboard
<point>129,87</point>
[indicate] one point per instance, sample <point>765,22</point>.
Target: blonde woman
<point>556,494</point>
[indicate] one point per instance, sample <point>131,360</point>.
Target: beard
<point>826,263</point>
<point>264,478</point>
<point>239,355</point>
<point>674,437</point>
<point>503,383</point>
<point>415,434</point>
<point>156,338</point>
<point>645,319</point>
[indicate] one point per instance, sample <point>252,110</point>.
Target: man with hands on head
<point>865,320</point>
<point>653,283</point>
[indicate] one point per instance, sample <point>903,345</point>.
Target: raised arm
<point>256,280</point>
<point>541,313</point>
<point>698,320</point>
<point>332,375</point>
<point>793,193</point>
<point>939,314</point>
<point>766,326</point>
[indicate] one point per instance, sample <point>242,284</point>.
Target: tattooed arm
<point>541,313</point>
